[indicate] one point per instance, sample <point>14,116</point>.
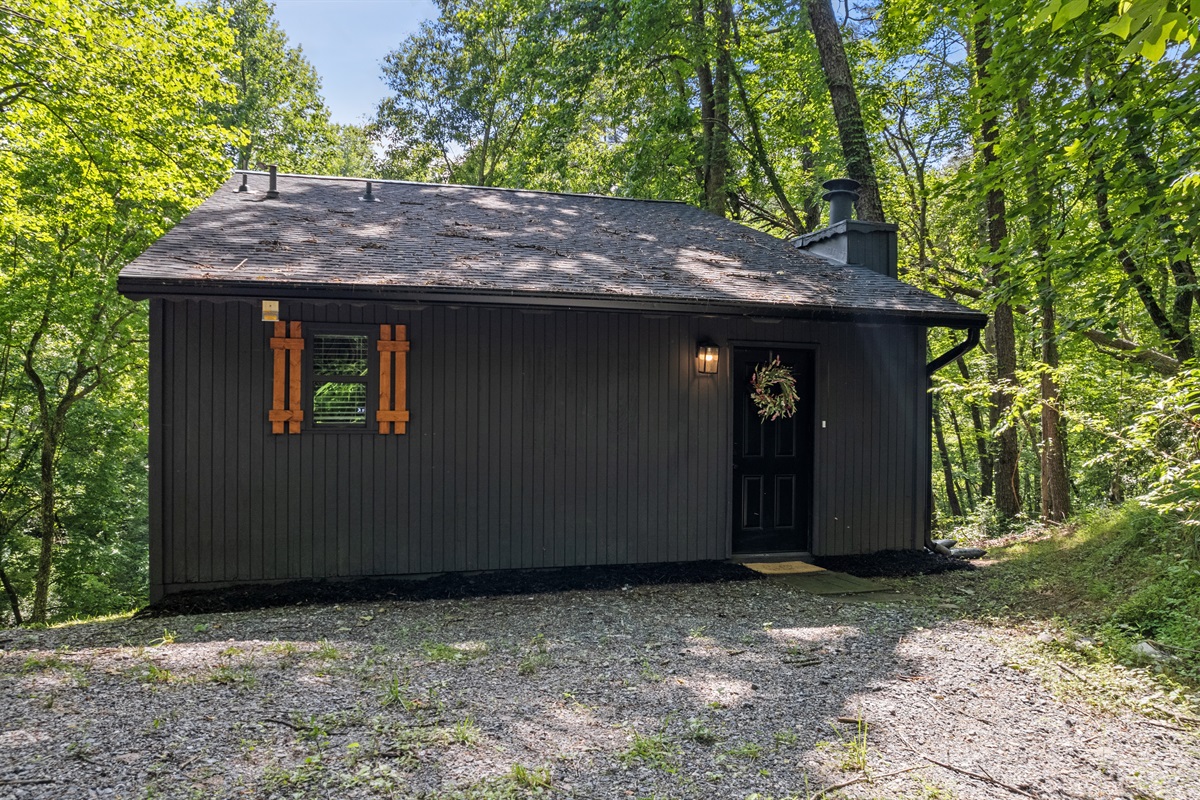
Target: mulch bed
<point>445,586</point>
<point>894,564</point>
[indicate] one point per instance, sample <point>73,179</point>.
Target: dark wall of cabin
<point>537,439</point>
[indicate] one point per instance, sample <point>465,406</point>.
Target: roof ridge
<point>463,186</point>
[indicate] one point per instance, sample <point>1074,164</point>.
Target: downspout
<point>945,358</point>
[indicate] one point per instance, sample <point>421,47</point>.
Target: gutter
<point>933,366</point>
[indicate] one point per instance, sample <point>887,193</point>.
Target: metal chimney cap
<point>841,185</point>
<point>841,196</point>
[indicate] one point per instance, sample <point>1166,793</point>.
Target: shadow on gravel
<point>446,586</point>
<point>887,564</point>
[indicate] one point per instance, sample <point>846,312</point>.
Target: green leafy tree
<point>278,107</point>
<point>107,141</point>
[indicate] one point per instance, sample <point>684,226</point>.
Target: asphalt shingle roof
<point>426,239</point>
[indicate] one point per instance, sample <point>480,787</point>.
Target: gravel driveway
<point>726,690</point>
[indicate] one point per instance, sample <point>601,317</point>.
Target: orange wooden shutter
<point>393,405</point>
<point>287,343</point>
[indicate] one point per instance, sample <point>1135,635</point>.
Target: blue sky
<point>346,41</point>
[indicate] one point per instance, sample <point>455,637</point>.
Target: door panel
<point>772,460</point>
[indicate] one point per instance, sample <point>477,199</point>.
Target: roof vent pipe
<point>244,189</point>
<point>369,197</point>
<point>272,190</point>
<point>841,194</point>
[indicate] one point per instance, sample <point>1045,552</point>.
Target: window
<point>339,378</point>
<point>340,371</point>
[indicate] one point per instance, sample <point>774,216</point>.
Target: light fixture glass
<point>707,355</point>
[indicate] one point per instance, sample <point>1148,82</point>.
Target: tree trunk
<point>962,455</point>
<point>1008,453</point>
<point>1056,489</point>
<point>852,132</point>
<point>714,102</point>
<point>981,439</point>
<point>947,469</point>
<point>14,599</point>
<point>46,516</point>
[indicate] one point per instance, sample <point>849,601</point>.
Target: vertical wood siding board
<point>838,422</point>
<point>919,439</point>
<point>155,444</point>
<point>161,452</point>
<point>191,481</point>
<point>659,438</point>
<point>471,488</point>
<point>459,499</point>
<point>874,450</point>
<point>559,528</point>
<point>496,524</point>
<point>235,410</point>
<point>896,479</point>
<point>593,489</point>
<point>604,341</point>
<point>508,385</point>
<point>443,517</point>
<point>346,516</point>
<point>618,406</point>
<point>176,389</point>
<point>260,370</point>
<point>478,458</point>
<point>611,343</point>
<point>564,506</point>
<point>524,438</point>
<point>858,482</point>
<point>647,435</point>
<point>502,435</point>
<point>538,423</point>
<point>206,421</point>
<point>676,517</point>
<point>573,413</point>
<point>434,342</point>
<point>843,390</point>
<point>248,416</point>
<point>582,418</point>
<point>224,412</point>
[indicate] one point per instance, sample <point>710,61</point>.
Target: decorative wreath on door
<point>773,390</point>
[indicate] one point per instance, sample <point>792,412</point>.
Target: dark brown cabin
<point>394,379</point>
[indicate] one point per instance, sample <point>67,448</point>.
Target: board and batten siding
<point>538,439</point>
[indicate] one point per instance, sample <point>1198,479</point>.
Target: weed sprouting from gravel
<point>655,751</point>
<point>454,653</point>
<point>698,732</point>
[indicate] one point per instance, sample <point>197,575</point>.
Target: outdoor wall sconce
<point>706,358</point>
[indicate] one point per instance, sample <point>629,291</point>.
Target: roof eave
<point>140,288</point>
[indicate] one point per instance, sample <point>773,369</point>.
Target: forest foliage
<point>1038,157</point>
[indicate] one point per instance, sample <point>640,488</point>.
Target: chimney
<point>851,241</point>
<point>272,190</point>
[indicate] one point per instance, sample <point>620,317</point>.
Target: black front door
<point>772,460</point>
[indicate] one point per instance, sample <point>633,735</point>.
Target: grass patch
<point>654,751</point>
<point>455,653</point>
<point>1119,576</point>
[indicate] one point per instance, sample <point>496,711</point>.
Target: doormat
<point>784,567</point>
<point>813,579</point>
